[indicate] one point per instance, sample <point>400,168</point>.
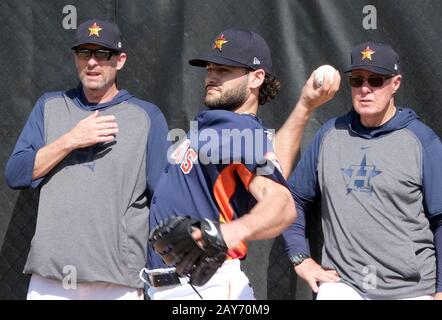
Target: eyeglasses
<point>99,54</point>
<point>375,82</point>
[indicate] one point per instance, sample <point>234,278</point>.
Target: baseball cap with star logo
<point>238,48</point>
<point>104,33</point>
<point>375,57</point>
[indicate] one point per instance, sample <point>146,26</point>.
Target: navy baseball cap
<point>375,57</point>
<point>238,48</point>
<point>104,33</point>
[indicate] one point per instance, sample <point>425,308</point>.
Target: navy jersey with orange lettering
<point>209,172</point>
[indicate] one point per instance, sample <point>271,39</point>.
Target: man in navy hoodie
<point>96,153</point>
<point>377,175</point>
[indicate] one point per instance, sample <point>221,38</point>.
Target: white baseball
<point>325,70</point>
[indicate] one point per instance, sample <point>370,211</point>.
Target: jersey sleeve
<point>304,186</point>
<point>431,167</point>
<point>244,141</point>
<point>261,158</point>
<point>432,178</point>
<point>20,166</point>
<point>432,190</point>
<point>157,148</point>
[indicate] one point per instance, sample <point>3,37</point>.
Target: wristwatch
<point>298,258</point>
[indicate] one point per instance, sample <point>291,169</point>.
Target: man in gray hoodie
<point>376,173</point>
<point>96,153</point>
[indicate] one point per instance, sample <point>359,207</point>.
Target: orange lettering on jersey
<point>189,158</point>
<point>178,154</point>
<point>184,156</point>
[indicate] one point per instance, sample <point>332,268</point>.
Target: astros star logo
<point>219,42</point>
<point>94,30</point>
<point>359,177</point>
<point>366,53</point>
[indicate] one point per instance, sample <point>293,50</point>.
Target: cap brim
<point>104,45</point>
<point>202,62</point>
<point>374,69</point>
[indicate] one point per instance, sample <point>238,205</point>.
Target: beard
<point>96,84</point>
<point>229,100</point>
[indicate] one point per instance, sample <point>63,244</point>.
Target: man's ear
<point>256,78</point>
<point>121,60</point>
<point>397,83</point>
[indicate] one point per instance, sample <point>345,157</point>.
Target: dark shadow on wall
<point>282,281</point>
<point>15,247</point>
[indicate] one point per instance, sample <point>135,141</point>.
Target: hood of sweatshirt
<point>77,95</point>
<point>401,119</point>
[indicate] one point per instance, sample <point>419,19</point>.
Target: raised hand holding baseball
<point>321,72</point>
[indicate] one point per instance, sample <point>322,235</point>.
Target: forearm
<point>289,137</point>
<point>267,219</point>
<point>294,236</point>
<point>288,142</point>
<point>50,155</point>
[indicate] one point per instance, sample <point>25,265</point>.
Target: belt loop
<point>141,275</point>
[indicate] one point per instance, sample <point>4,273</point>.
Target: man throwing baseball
<point>224,184</point>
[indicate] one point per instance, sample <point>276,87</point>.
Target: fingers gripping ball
<point>324,70</point>
<point>172,240</point>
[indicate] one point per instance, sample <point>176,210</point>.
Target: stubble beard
<point>229,100</point>
<point>95,85</point>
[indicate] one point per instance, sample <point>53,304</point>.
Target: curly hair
<point>269,89</point>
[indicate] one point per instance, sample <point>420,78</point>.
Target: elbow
<point>12,182</point>
<point>13,179</point>
<point>9,177</point>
